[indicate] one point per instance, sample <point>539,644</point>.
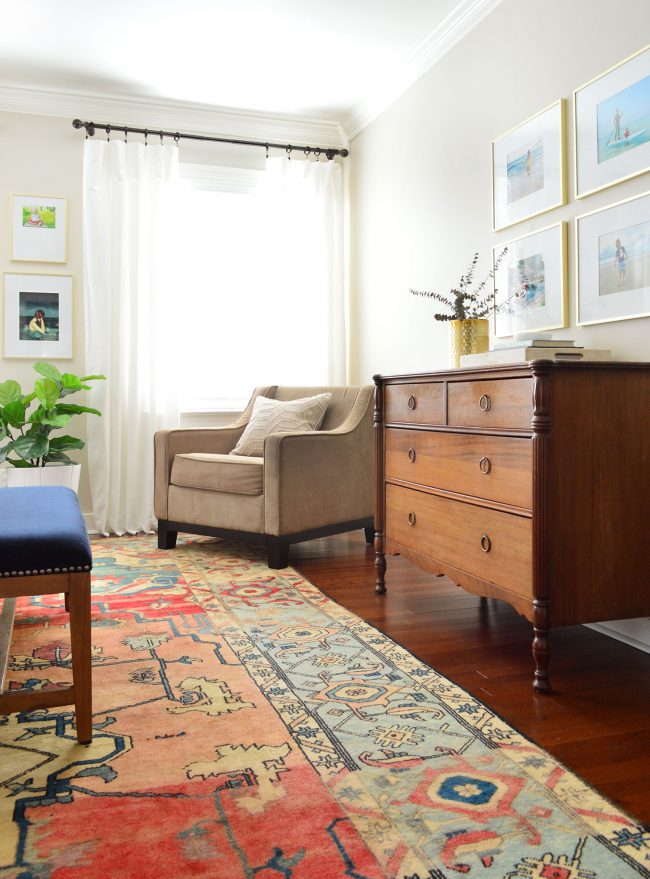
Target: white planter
<point>51,474</point>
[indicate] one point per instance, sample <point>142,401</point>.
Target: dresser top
<point>515,370</point>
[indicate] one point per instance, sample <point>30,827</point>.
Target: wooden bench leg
<point>79,604</point>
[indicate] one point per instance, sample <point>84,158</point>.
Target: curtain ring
<point>317,154</point>
<point>177,137</point>
<point>146,135</point>
<point>288,151</point>
<point>267,150</point>
<point>161,137</point>
<point>126,132</point>
<point>108,133</point>
<point>307,151</point>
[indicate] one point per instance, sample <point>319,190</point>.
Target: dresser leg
<point>541,647</point>
<point>380,563</point>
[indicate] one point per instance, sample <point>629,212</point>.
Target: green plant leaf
<point>73,409</point>
<point>48,370</point>
<point>18,462</point>
<point>47,390</point>
<point>4,451</point>
<point>9,392</point>
<point>55,419</point>
<point>14,413</point>
<point>29,447</point>
<point>66,442</point>
<point>90,378</point>
<point>58,457</point>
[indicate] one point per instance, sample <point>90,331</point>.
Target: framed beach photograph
<point>38,228</point>
<point>612,125</point>
<point>613,262</point>
<point>529,168</point>
<point>530,283</point>
<point>38,316</point>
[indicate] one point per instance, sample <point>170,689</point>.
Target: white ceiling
<point>336,60</point>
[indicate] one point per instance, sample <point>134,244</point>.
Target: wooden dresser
<point>529,483</point>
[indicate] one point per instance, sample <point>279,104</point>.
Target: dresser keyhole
<point>411,402</point>
<point>411,455</point>
<point>486,543</point>
<point>485,464</point>
<point>485,403</point>
<point>411,518</point>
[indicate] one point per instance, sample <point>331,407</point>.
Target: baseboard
<point>604,629</point>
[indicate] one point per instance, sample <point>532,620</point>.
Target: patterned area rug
<point>247,726</point>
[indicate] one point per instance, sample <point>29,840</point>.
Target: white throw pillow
<point>279,416</point>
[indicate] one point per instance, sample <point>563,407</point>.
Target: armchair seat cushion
<point>231,473</point>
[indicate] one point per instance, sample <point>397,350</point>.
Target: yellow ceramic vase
<point>468,337</point>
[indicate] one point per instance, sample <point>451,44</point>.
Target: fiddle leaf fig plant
<point>28,420</point>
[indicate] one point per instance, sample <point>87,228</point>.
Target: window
<point>252,308</point>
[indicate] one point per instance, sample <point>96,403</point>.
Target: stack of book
<point>534,348</point>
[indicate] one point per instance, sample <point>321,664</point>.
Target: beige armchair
<point>306,485</point>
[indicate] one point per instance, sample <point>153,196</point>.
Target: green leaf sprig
<point>25,430</point>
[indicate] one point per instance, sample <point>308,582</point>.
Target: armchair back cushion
<point>277,416</point>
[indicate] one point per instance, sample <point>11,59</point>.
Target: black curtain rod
<point>91,128</point>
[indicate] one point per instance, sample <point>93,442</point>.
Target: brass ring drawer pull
<point>411,518</point>
<point>411,454</point>
<point>485,464</point>
<point>486,543</point>
<point>484,403</point>
<point>411,402</point>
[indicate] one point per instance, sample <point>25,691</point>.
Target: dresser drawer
<point>416,403</point>
<point>497,468</point>
<point>494,546</point>
<point>498,403</point>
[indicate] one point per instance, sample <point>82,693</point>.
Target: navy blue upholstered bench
<point>44,549</point>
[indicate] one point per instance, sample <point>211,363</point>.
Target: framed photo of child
<point>529,168</point>
<point>38,316</point>
<point>613,262</point>
<point>612,125</point>
<point>38,228</point>
<point>530,283</point>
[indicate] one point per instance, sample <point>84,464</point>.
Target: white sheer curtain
<point>307,212</point>
<point>129,192</point>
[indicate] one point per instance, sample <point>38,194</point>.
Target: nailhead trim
<point>69,570</point>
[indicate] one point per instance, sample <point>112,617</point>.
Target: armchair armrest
<point>169,443</point>
<point>317,478</point>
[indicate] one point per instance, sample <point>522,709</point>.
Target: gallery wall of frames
<point>37,306</point>
<point>611,144</point>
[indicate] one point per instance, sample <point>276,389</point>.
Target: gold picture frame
<point>531,287</point>
<point>611,125</point>
<point>613,261</point>
<point>39,228</point>
<point>46,300</point>
<point>529,167</point>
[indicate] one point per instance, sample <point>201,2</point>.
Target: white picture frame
<point>530,283</point>
<point>38,228</point>
<point>529,168</point>
<point>611,116</point>
<point>613,262</point>
<point>27,295</point>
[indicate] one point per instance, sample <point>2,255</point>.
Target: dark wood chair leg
<point>278,552</point>
<point>166,537</point>
<point>370,534</point>
<point>80,641</point>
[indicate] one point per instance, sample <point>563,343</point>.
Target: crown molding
<point>173,115</point>
<point>457,24</point>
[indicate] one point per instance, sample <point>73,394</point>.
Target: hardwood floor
<point>596,720</point>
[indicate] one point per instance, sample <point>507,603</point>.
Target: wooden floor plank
<point>597,719</point>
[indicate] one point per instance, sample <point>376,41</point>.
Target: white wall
<point>421,184</point>
<point>421,179</point>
